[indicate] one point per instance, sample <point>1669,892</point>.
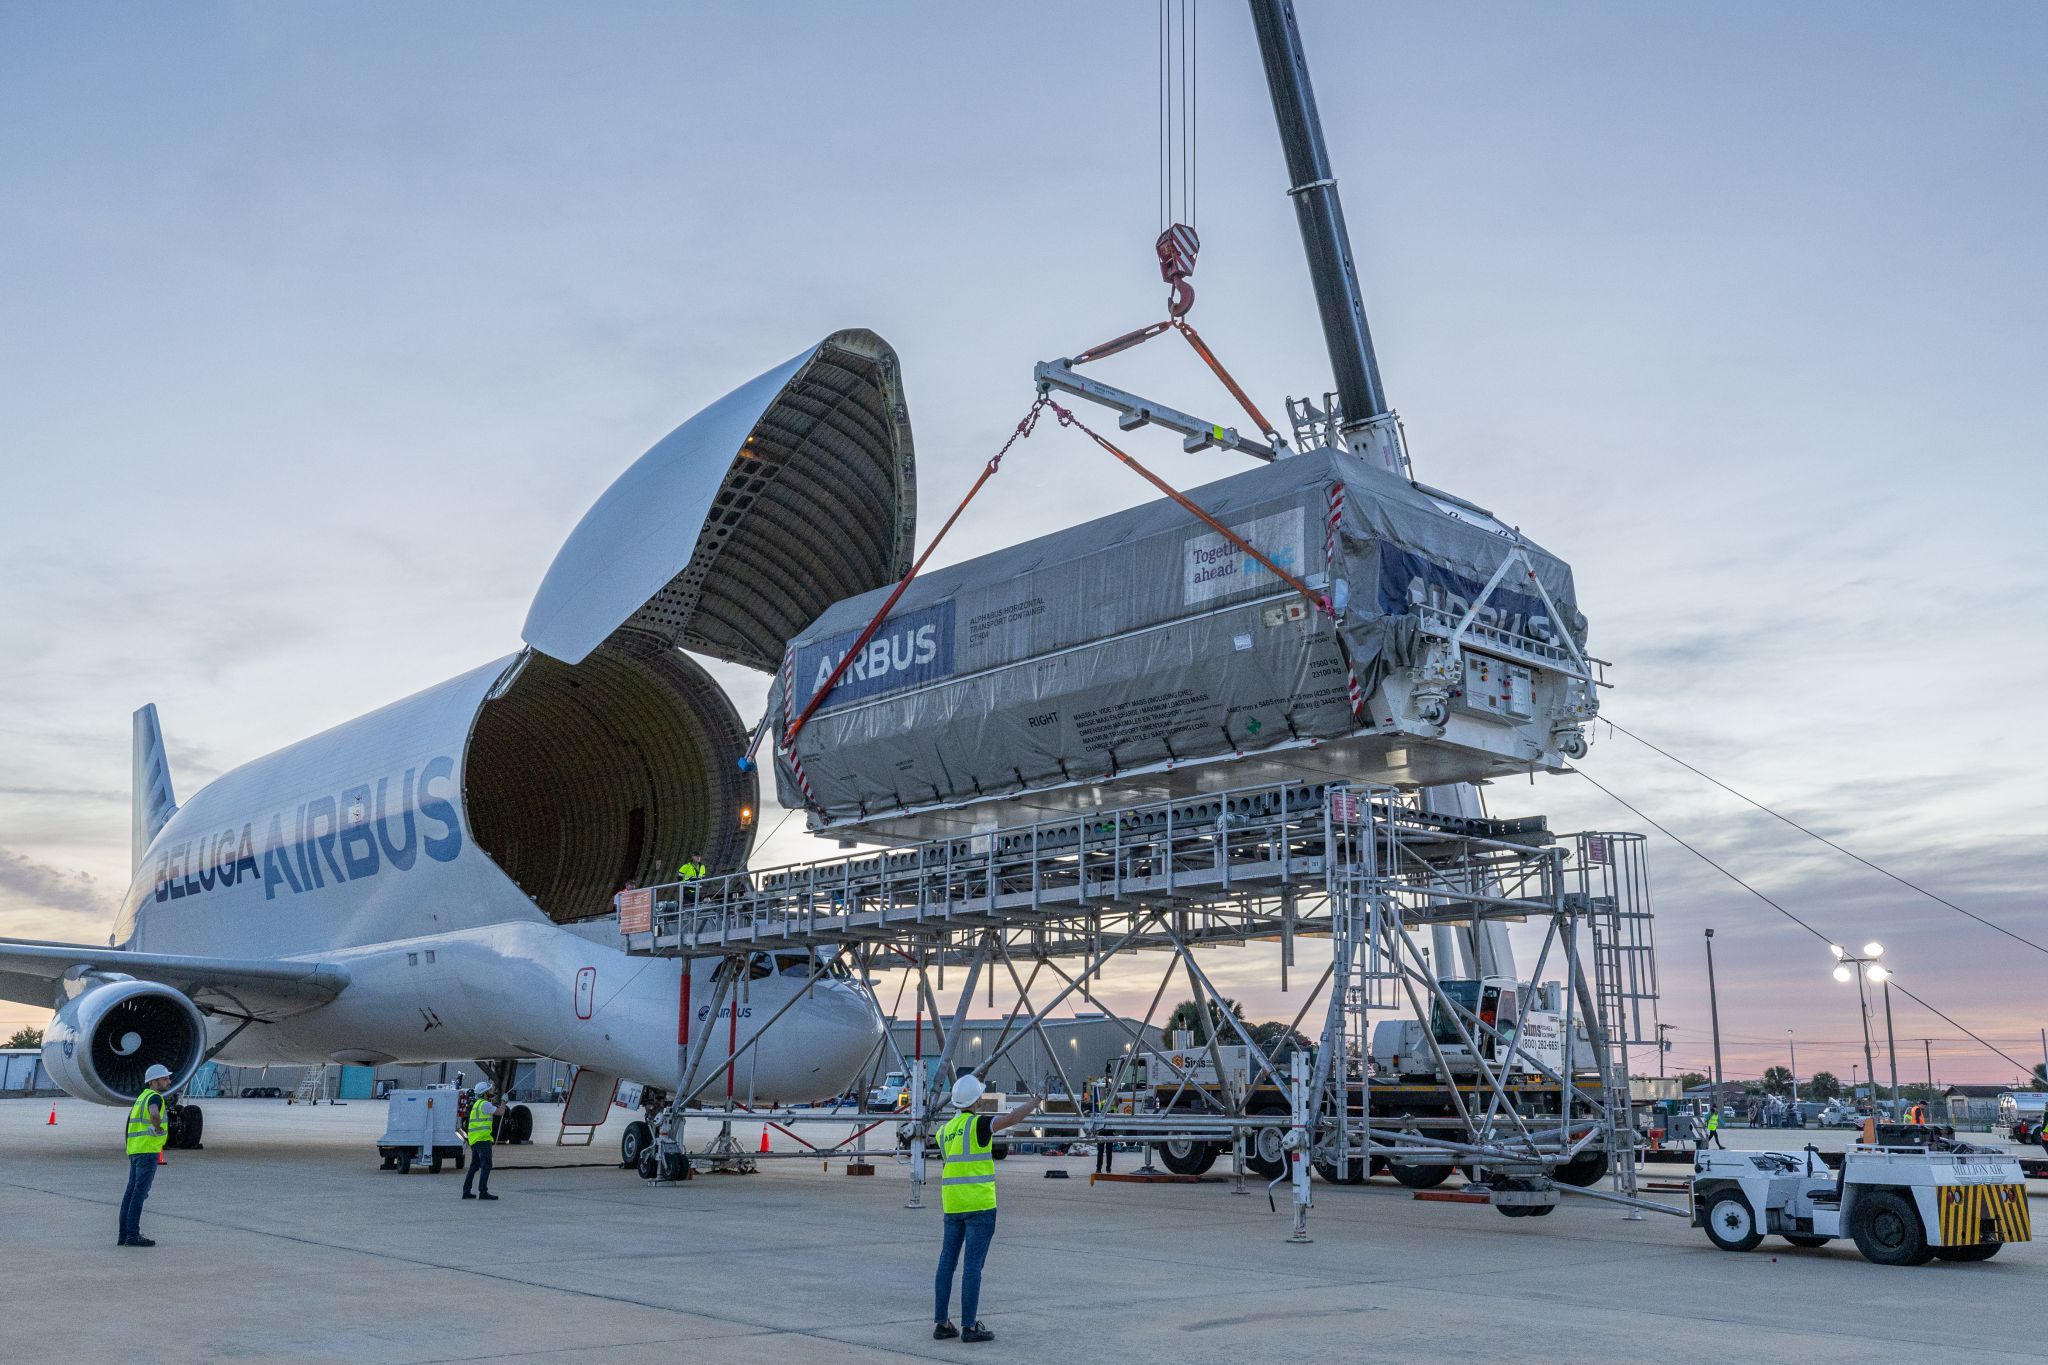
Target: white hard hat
<point>967,1090</point>
<point>157,1072</point>
<point>483,1087</point>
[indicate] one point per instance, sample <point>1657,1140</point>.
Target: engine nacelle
<point>103,1039</point>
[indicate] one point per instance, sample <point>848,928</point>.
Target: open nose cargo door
<point>605,756</point>
<point>794,491</point>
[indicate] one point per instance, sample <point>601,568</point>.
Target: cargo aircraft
<point>435,880</point>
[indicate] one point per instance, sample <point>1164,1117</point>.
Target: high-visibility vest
<point>690,872</point>
<point>967,1181</point>
<point>1713,1123</point>
<point>141,1141</point>
<point>480,1123</point>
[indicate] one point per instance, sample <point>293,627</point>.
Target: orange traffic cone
<point>160,1159</point>
<point>53,1117</point>
<point>764,1137</point>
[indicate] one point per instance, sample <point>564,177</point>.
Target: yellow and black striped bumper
<point>1982,1213</point>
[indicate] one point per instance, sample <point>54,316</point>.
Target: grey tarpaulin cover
<point>1140,638</point>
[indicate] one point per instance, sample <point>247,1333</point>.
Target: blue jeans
<point>976,1230</point>
<point>141,1175</point>
<point>479,1168</point>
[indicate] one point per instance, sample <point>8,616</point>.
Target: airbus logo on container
<point>911,648</point>
<point>341,838</point>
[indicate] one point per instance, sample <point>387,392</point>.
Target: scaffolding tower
<point>1360,868</point>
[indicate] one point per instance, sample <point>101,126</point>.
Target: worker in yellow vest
<point>149,1123</point>
<point>1714,1129</point>
<point>480,1132</point>
<point>967,1192</point>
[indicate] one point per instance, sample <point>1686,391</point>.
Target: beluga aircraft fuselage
<point>435,880</point>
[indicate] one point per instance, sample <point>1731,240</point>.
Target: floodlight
<point>1844,974</point>
<point>1838,950</point>
<point>1876,972</point>
<point>1873,949</point>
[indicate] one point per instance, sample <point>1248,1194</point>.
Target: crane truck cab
<point>1901,1203</point>
<point>1528,1040</point>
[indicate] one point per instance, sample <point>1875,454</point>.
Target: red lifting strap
<point>1244,400</point>
<point>1201,348</point>
<point>995,461</point>
<point>1316,599</point>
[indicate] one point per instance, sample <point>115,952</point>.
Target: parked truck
<point>1402,1090</point>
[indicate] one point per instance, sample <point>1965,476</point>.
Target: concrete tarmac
<point>283,1241</point>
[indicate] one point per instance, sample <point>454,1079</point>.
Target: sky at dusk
<point>322,326</point>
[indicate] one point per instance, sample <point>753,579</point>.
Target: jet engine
<point>104,1038</point>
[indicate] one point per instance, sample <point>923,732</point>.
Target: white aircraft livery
<point>434,881</point>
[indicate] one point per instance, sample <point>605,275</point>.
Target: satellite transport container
<point>1142,656</point>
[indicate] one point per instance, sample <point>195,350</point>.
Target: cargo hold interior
<point>580,780</point>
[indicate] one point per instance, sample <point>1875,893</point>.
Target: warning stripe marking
<point>1966,1210</point>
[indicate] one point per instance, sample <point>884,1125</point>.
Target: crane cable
<point>1814,834</point>
<point>1891,976</point>
<point>1178,88</point>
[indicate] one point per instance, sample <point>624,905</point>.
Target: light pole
<point>1792,1051</point>
<point>1714,1012</point>
<point>1846,964</point>
<point>1891,1045</point>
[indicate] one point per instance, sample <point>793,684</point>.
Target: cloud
<point>24,879</point>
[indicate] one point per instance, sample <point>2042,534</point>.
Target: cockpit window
<point>759,967</point>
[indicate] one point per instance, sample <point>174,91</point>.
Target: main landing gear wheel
<point>1887,1230</point>
<point>1187,1156</point>
<point>520,1121</point>
<point>188,1124</point>
<point>637,1138</point>
<point>1731,1224</point>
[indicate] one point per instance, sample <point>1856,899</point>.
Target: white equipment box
<point>423,1125</point>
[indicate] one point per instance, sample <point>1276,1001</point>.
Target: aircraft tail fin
<point>154,804</point>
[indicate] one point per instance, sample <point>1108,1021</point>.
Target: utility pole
<point>1927,1047</point>
<point>1891,1045</point>
<point>1714,1011</point>
<point>1792,1051</point>
<point>1663,1046</point>
<point>1869,1063</point>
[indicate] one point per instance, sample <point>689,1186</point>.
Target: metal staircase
<point>312,1086</point>
<point>1612,892</point>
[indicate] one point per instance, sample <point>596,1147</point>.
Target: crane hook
<point>1176,249</point>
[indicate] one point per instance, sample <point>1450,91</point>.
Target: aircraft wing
<point>30,971</point>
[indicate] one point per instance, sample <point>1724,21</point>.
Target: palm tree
<point>1186,1015</point>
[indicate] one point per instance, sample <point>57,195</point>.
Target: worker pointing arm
<point>967,1191</point>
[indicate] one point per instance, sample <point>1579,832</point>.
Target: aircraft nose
<point>846,1025</point>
